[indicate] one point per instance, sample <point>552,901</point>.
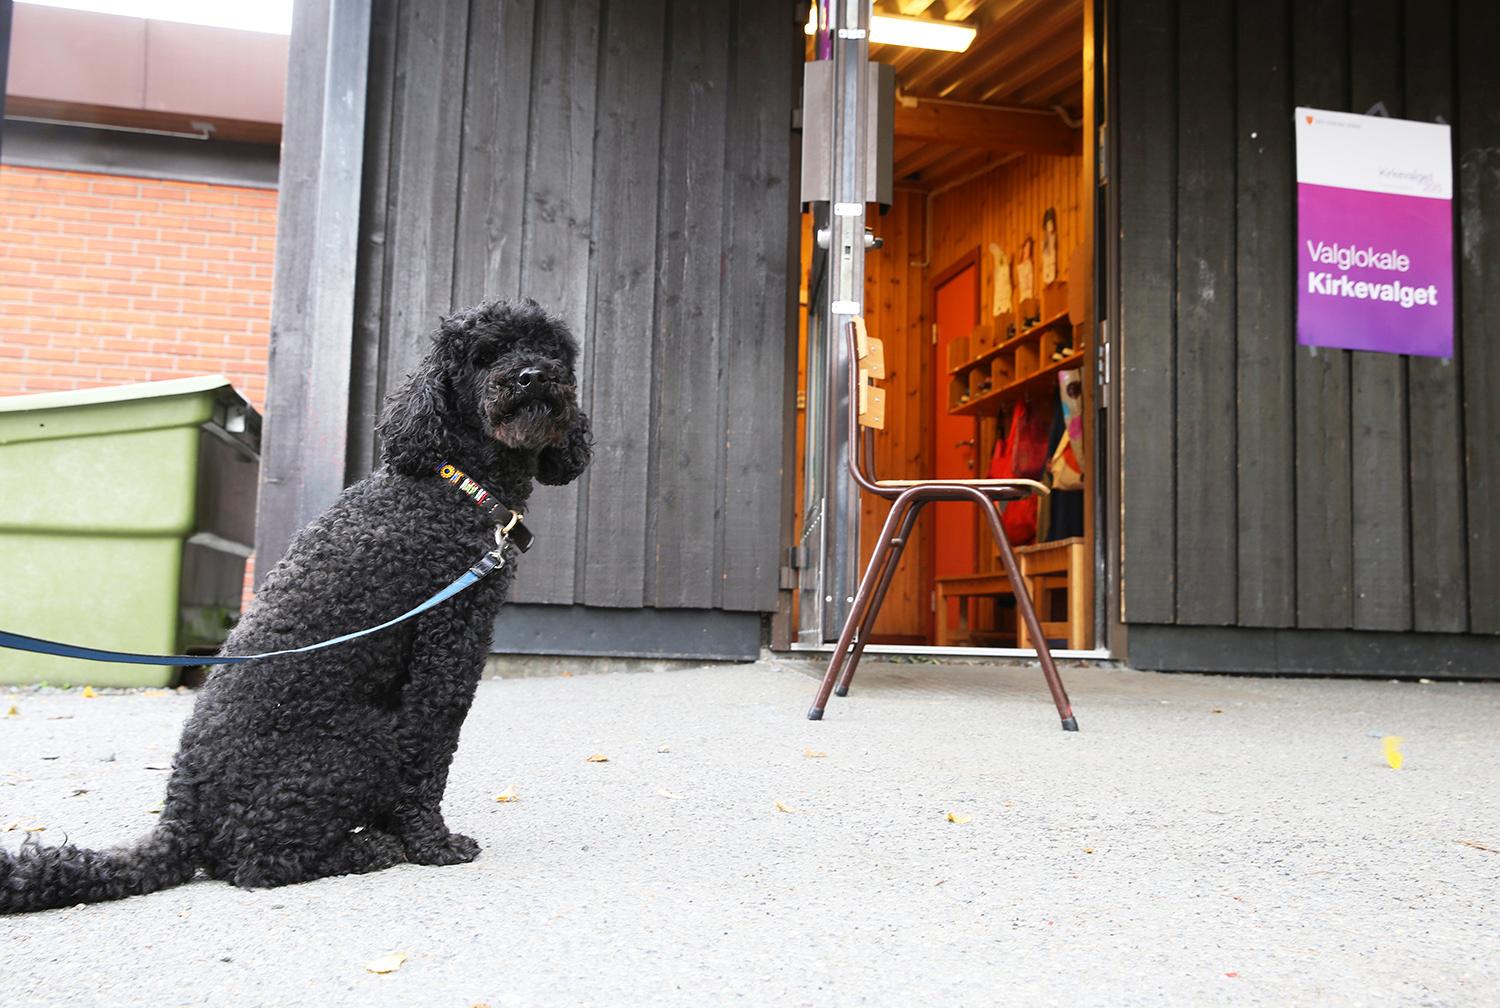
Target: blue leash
<point>36,645</point>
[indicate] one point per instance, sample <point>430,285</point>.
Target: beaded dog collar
<point>508,522</point>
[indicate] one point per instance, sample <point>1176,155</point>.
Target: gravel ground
<point>1203,840</point>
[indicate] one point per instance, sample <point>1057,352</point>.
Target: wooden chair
<point>867,412</point>
<point>1058,566</point>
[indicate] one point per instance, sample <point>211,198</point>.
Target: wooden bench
<point>1047,568</point>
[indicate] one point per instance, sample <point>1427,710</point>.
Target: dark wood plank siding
<point>1266,475</point>
<point>1205,358</point>
<point>1478,192</point>
<point>423,186</point>
<point>1268,485</point>
<point>616,485</point>
<point>627,163</point>
<point>1325,524</point>
<point>1380,506</point>
<point>1145,338</point>
<point>686,447</point>
<point>758,166</point>
<point>282,506</point>
<point>556,233</point>
<point>1440,582</point>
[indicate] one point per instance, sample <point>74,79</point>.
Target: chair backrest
<point>866,399</point>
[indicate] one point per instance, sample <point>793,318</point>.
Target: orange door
<point>956,437</point>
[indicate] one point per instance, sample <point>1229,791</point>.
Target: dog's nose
<point>528,375</point>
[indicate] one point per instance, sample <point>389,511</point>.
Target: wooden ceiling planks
<point>1026,54</point>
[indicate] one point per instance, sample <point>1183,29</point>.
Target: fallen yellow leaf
<point>11,827</point>
<point>1391,746</point>
<point>1088,850</point>
<point>37,828</point>
<point>88,692</point>
<point>813,754</point>
<point>667,794</point>
<point>957,817</point>
<point>508,795</point>
<point>388,963</point>
<point>598,758</point>
<point>13,712</point>
<point>783,807</point>
<point>156,809</point>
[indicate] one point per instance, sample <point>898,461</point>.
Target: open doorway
<point>983,290</point>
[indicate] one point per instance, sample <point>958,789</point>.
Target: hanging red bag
<point>1021,454</point>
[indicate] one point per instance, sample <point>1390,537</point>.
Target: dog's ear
<point>564,463</point>
<point>412,427</point>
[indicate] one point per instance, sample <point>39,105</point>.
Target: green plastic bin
<point>126,517</point>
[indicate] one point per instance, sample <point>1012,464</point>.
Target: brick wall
<point>106,279</point>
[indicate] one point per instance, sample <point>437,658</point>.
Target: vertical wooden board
<point>686,450</point>
<point>1320,32</point>
<point>492,178</point>
<point>557,227</point>
<point>1478,192</point>
<point>1205,358</point>
<point>1379,501</point>
<point>374,222</point>
<point>423,186</point>
<point>1440,576</point>
<point>1264,320</point>
<point>627,171</point>
<point>1146,127</point>
<point>279,512</point>
<point>758,211</point>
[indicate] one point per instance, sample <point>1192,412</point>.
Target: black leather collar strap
<point>508,522</point>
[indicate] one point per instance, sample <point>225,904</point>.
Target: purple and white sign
<point>1374,234</point>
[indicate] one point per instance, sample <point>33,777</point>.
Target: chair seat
<point>1019,484</point>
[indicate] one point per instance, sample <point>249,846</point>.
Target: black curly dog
<point>305,766</point>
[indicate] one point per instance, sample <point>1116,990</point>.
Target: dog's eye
<point>483,356</point>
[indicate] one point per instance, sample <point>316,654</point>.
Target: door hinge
<point>1102,152</point>
<point>934,334</point>
<point>1101,364</point>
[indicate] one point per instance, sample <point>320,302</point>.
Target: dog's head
<point>498,376</point>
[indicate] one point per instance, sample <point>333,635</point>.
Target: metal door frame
<point>830,533</point>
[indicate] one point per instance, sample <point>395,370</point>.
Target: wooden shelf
<point>1020,337</point>
<point>987,403</point>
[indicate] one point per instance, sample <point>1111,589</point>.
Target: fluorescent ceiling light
<point>916,33</point>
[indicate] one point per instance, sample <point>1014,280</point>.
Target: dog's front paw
<point>455,848</point>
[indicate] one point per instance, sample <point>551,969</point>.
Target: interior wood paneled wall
<point>895,311</point>
<point>1003,205</point>
<point>1266,484</point>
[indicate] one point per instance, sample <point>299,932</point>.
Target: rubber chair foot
<point>1070,723</point>
<point>841,691</point>
<point>815,714</point>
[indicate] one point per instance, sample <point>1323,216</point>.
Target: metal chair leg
<point>1028,614</point>
<point>893,561</point>
<point>857,611</point>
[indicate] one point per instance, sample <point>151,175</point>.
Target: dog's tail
<point>42,878</point>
